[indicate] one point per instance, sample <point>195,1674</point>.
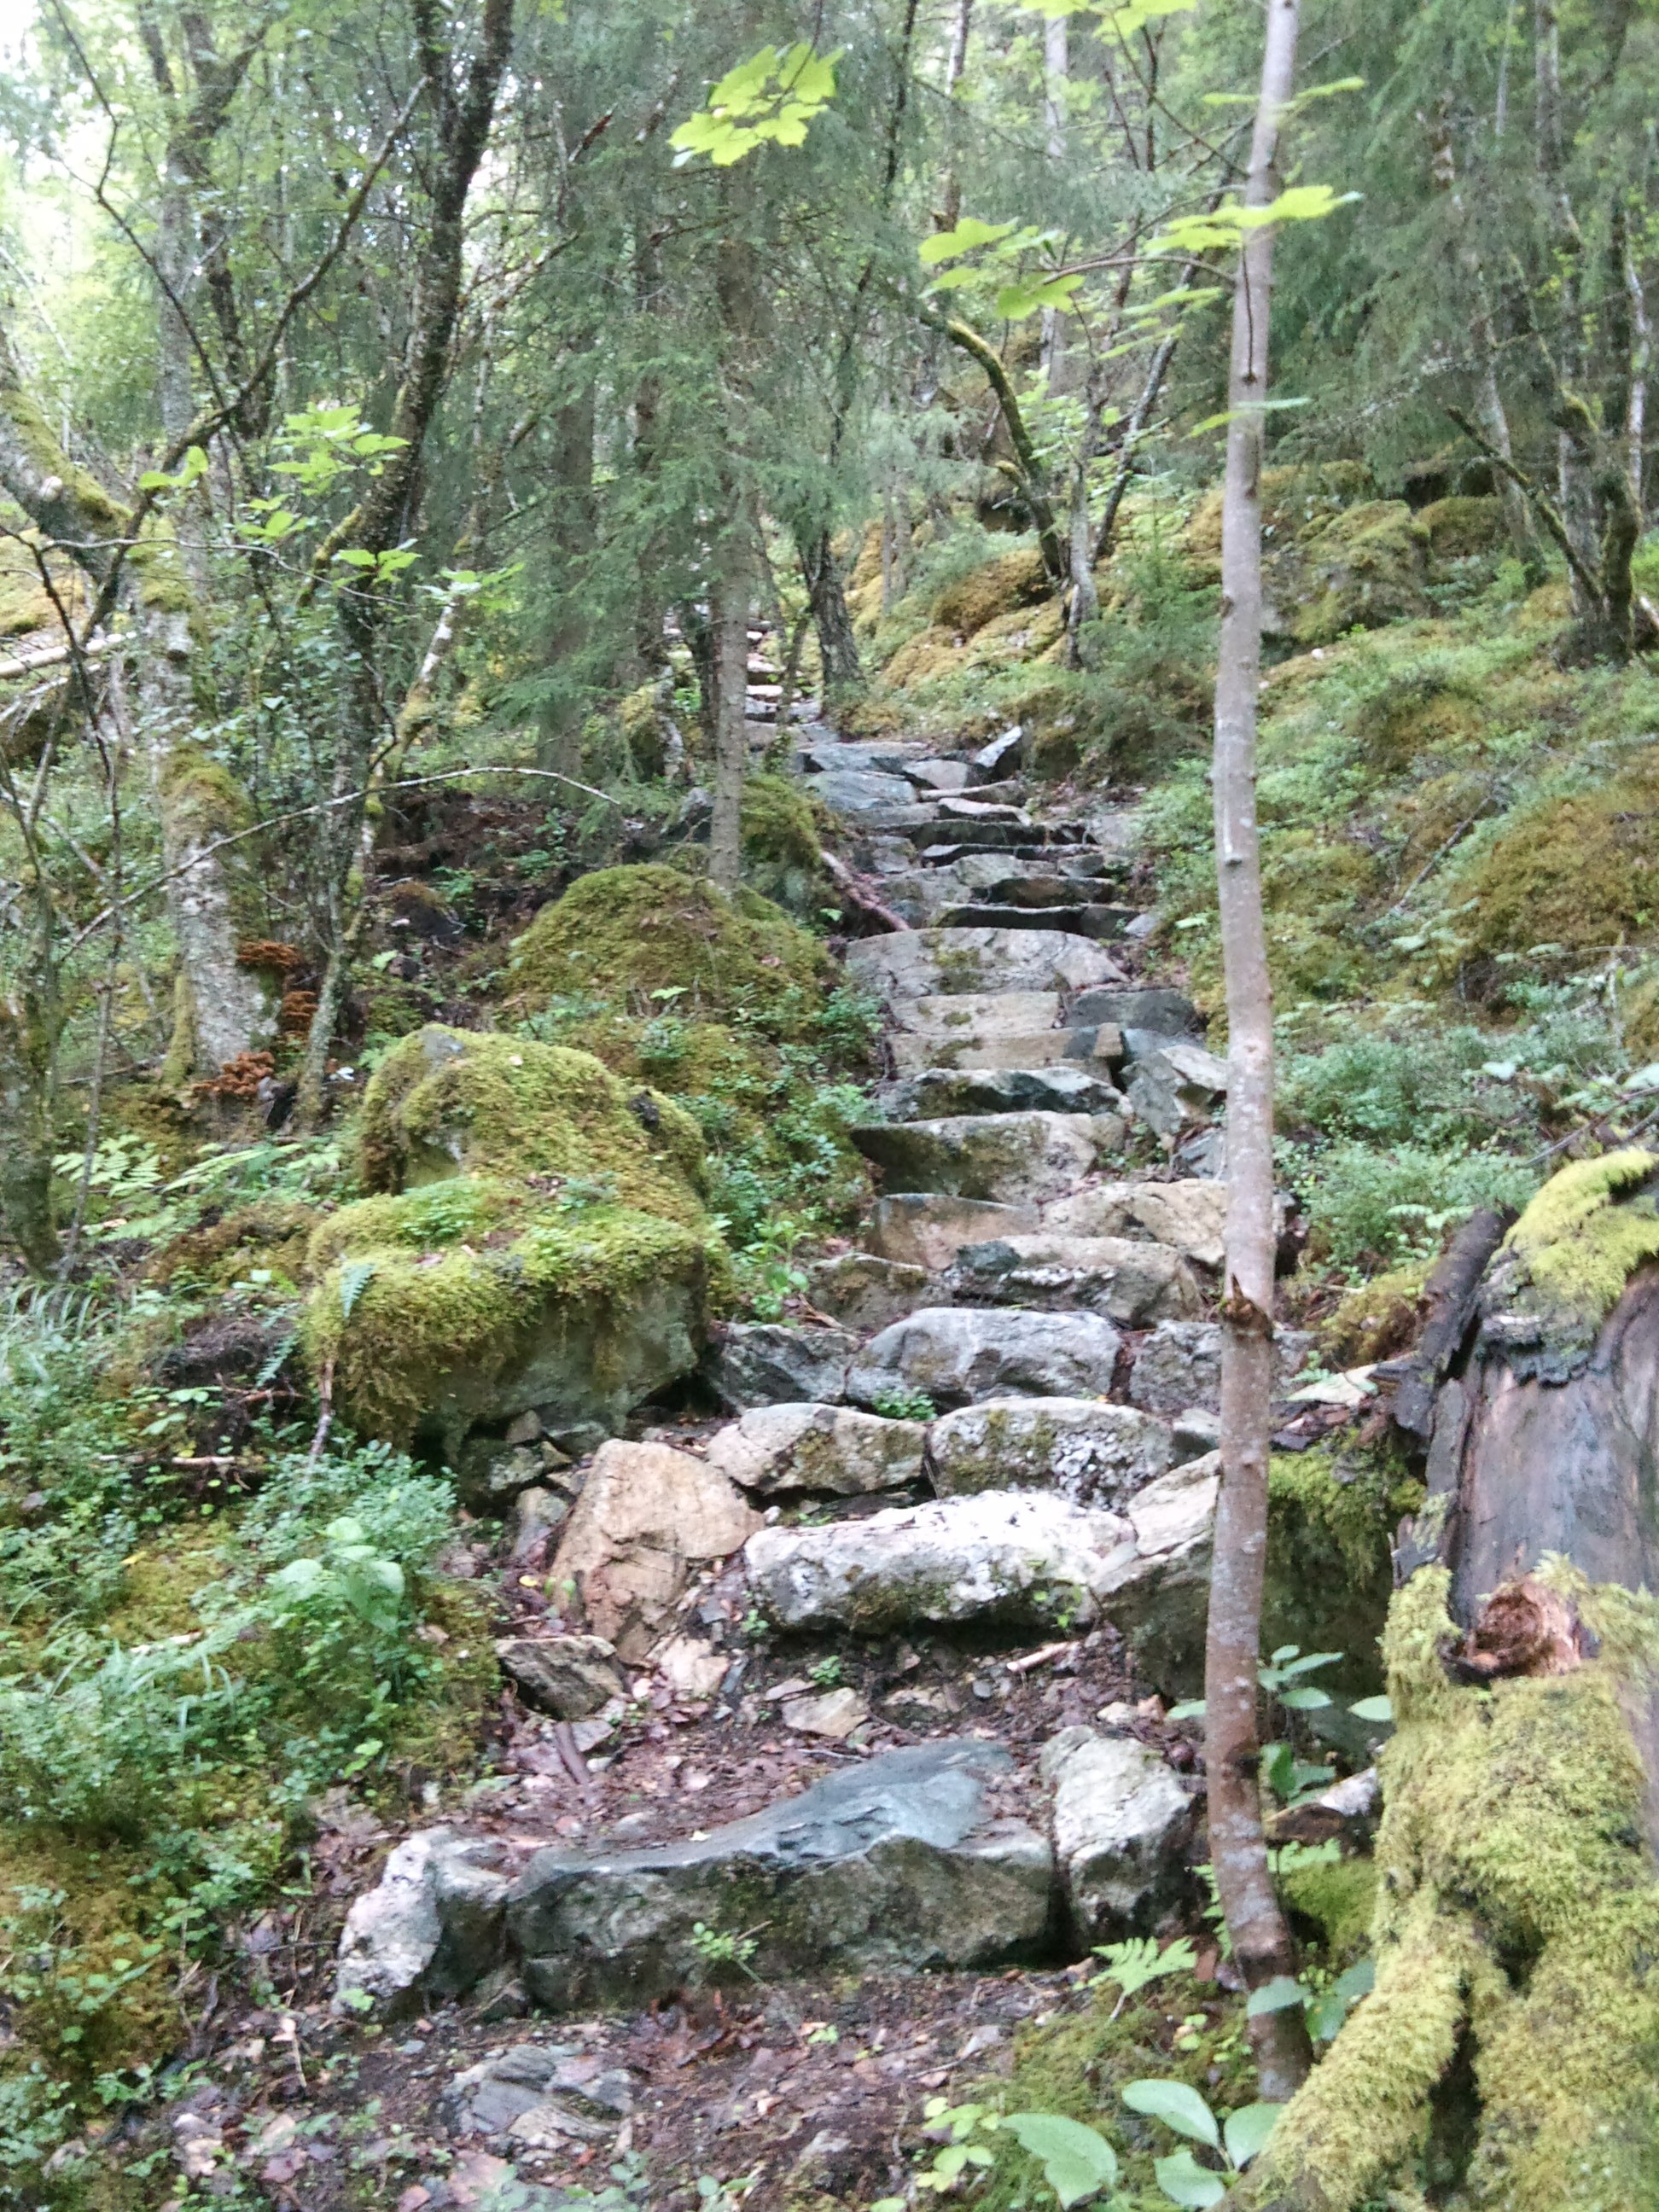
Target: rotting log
<point>1507,2057</point>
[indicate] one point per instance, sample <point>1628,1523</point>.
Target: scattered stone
<point>1179,1366</point>
<point>921,963</point>
<point>1173,1085</point>
<point>773,1363</point>
<point>1002,754</point>
<point>1015,1159</point>
<point>568,1676</point>
<point>645,1514</point>
<point>691,1665</point>
<point>535,1514</point>
<point>1060,1086</point>
<point>1191,1216</point>
<point>1016,1558</point>
<point>958,1355</point>
<point>926,1230</point>
<point>1122,1825</point>
<point>834,1715</point>
<point>1194,1433</point>
<point>431,1928</point>
<point>1347,1812</point>
<point>863,1290</point>
<point>490,1471</point>
<point>1092,1453</point>
<point>943,775</point>
<point>781,1449</point>
<point>1132,1282</point>
<point>1157,1593</point>
<point>895,1862</point>
<point>540,2094</point>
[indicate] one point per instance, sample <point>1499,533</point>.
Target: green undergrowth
<point>186,1672</point>
<point>1332,1513</point>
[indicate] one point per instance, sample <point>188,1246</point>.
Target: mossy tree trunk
<point>1507,2057</point>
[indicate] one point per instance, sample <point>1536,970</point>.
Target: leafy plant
<point>904,1404</point>
<point>1138,1961</point>
<point>1236,2140</point>
<point>719,1947</point>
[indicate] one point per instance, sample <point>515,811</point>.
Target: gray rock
<point>1191,1216</point>
<point>1179,1366</point>
<point>1122,1825</point>
<point>1166,1013</point>
<point>1092,1453</point>
<point>1014,1159</point>
<point>1194,1433</point>
<point>865,1290</point>
<point>773,1363</point>
<point>1174,1085</point>
<point>860,791</point>
<point>1131,1281</point>
<point>1064,1087</point>
<point>831,755</point>
<point>568,1676</point>
<point>432,1927</point>
<point>894,1864</point>
<point>1156,1593</point>
<point>490,1472</point>
<point>954,1018</point>
<point>536,1515</point>
<point>1020,1558</point>
<point>958,1355</point>
<point>775,1449</point>
<point>942,775</point>
<point>1023,1049</point>
<point>1001,754</point>
<point>926,1230</point>
<point>921,963</point>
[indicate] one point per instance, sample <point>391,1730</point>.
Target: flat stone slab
<point>957,1355</point>
<point>1065,1086</point>
<point>1134,1282</point>
<point>859,791</point>
<point>776,1449</point>
<point>1190,1215</point>
<point>1014,1159</point>
<point>894,1864</point>
<point>1082,1448</point>
<point>928,1230</point>
<point>940,775</point>
<point>865,1290</point>
<point>1170,1013</point>
<point>1020,1558</point>
<point>1094,920</point>
<point>954,1016</point>
<point>1032,1048</point>
<point>922,964</point>
<point>777,1363</point>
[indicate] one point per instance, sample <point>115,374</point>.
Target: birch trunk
<point>730,620</point>
<point>1261,1940</point>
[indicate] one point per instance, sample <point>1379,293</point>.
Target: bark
<point>465,105</point>
<point>1261,1940</point>
<point>1057,61</point>
<point>838,647</point>
<point>25,1132</point>
<point>1519,1898</point>
<point>572,473</point>
<point>1028,472</point>
<point>729,614</point>
<point>1575,493</point>
<point>222,1012</point>
<point>956,61</point>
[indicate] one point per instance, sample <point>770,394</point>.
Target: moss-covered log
<point>1508,2055</point>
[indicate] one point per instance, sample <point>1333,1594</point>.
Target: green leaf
<point>1077,2162</point>
<point>1245,2131</point>
<point>356,1276</point>
<point>1372,1709</point>
<point>354,556</point>
<point>971,231</point>
<point>1136,1961</point>
<point>1310,1662</point>
<point>1304,1698</point>
<point>1015,302</point>
<point>1276,1996</point>
<point>1358,1982</point>
<point>1184,2181</point>
<point>1192,1708</point>
<point>1176,2105</point>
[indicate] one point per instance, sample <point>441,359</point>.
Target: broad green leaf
<point>1176,2105</point>
<point>1300,203</point>
<point>1303,1698</point>
<point>300,1578</point>
<point>1077,2162</point>
<point>1310,1661</point>
<point>1276,1996</point>
<point>1372,1709</point>
<point>1192,1708</point>
<point>971,231</point>
<point>354,556</point>
<point>1184,2181</point>
<point>1245,2131</point>
<point>1015,301</point>
<point>1326,2014</point>
<point>1360,1981</point>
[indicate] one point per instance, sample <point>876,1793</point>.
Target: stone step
<point>1179,1366</point>
<point>996,887</point>
<point>826,1451</point>
<point>1026,1050</point>
<point>954,1016</point>
<point>1083,1449</point>
<point>831,755</point>
<point>1002,753</point>
<point>1013,1159</point>
<point>1135,1283</point>
<point>925,963</point>
<point>1004,834</point>
<point>956,1354</point>
<point>1191,1216</point>
<point>1169,1013</point>
<point>870,800</point>
<point>1104,924</point>
<point>1063,1087</point>
<point>927,1229</point>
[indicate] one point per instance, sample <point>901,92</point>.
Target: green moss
<point>1460,527</point>
<point>445,1102</point>
<point>1579,870</point>
<point>1362,568</point>
<point>1378,1320</point>
<point>201,793</point>
<point>1330,1519</point>
<point>1517,1918</point>
<point>1013,579</point>
<point>779,823</point>
<point>1338,1895</point>
<point>628,932</point>
<point>273,1233</point>
<point>1579,1244</point>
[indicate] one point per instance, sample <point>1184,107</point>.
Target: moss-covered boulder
<point>782,855</point>
<point>538,1240</point>
<point>1364,568</point>
<point>1013,579</point>
<point>625,934</point>
<point>1579,870</point>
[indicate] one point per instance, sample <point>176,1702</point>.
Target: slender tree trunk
<point>956,61</point>
<point>1261,1940</point>
<point>1641,363</point>
<point>25,1134</point>
<point>730,621</point>
<point>1574,488</point>
<point>1057,61</point>
<point>838,647</point>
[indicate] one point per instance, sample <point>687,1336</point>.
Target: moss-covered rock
<point>1580,871</point>
<point>539,1240</point>
<point>1330,1519</point>
<point>625,933</point>
<point>1013,579</point>
<point>1363,568</point>
<point>1460,527</point>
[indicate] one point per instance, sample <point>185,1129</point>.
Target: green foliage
<point>1588,1231</point>
<point>1134,1964</point>
<point>771,99</point>
<point>1236,2140</point>
<point>904,1405</point>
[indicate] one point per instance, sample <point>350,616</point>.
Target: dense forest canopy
<point>695,700</point>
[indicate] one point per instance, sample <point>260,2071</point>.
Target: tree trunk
<point>26,1135</point>
<point>1573,479</point>
<point>729,613</point>
<point>1506,2053</point>
<point>956,61</point>
<point>838,648</point>
<point>1056,62</point>
<point>1261,1940</point>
